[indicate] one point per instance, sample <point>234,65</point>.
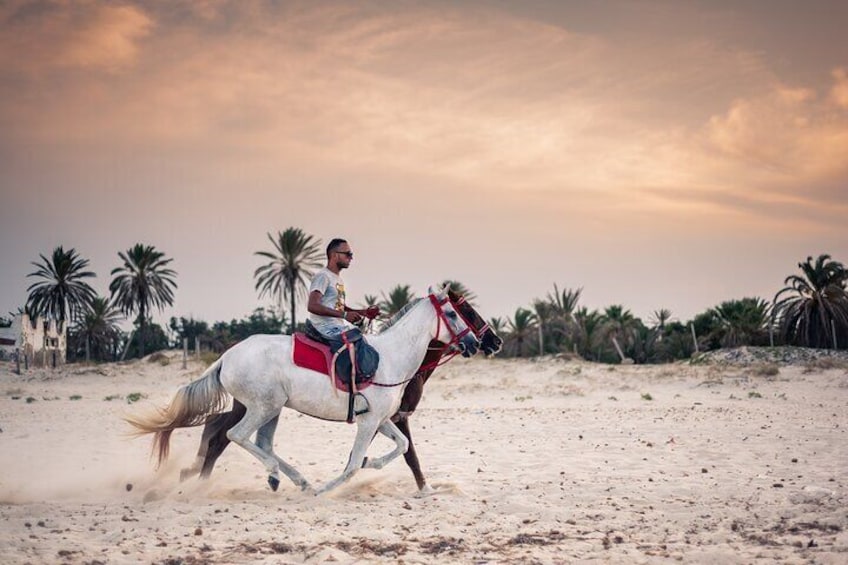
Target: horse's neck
<point>406,342</point>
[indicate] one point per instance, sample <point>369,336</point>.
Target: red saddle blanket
<point>316,356</point>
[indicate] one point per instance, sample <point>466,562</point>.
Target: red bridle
<point>447,351</point>
<point>442,317</point>
<point>455,337</point>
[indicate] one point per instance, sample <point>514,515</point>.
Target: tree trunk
<point>292,302</point>
<point>141,333</point>
<point>541,341</point>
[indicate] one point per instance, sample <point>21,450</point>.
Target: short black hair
<point>334,244</point>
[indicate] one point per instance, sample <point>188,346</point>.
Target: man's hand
<point>372,312</point>
<point>352,317</point>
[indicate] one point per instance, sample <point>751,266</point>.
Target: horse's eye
<point>451,315</point>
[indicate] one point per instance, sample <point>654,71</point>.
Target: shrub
<point>161,358</point>
<point>135,397</point>
<point>765,370</point>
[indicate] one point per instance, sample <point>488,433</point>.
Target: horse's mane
<point>394,319</point>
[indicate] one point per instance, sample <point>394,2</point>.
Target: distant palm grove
<point>810,310</point>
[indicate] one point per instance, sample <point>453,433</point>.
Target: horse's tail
<point>192,405</point>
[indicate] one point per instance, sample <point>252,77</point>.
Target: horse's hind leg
<point>391,431</point>
<point>219,440</point>
<point>213,441</point>
<point>265,442</point>
<point>257,417</point>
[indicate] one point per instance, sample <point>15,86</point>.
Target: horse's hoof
<point>273,482</point>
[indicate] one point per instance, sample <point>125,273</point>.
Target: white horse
<point>260,374</point>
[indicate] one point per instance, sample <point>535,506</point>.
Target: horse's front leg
<point>392,432</point>
<point>366,429</point>
<point>411,456</point>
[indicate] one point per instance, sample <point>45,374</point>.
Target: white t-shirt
<point>332,289</point>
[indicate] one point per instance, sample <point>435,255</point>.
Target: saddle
<point>313,351</point>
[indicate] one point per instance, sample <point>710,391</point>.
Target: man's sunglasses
<point>348,253</point>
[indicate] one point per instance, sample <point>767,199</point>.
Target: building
<point>42,343</point>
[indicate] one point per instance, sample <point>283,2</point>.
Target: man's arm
<point>314,306</point>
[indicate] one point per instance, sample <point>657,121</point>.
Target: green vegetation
<point>811,311</point>
<point>647,396</point>
<point>143,282</point>
<point>520,331</point>
<point>396,299</point>
<point>159,358</point>
<point>765,370</point>
<point>96,335</point>
<point>61,293</point>
<point>135,397</point>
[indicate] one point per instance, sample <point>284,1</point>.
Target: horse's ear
<point>438,290</point>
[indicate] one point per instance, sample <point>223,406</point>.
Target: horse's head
<point>452,328</point>
<point>490,342</point>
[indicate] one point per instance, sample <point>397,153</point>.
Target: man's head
<point>339,254</point>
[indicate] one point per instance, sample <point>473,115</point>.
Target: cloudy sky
<point>658,154</point>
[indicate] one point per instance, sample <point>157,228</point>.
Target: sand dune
<point>531,461</point>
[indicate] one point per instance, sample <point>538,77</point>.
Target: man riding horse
<point>328,313</point>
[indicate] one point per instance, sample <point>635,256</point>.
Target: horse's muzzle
<point>491,344</point>
<point>469,345</point>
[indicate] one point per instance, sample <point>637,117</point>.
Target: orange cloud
<point>72,35</point>
<point>109,40</point>
<point>839,92</point>
<point>465,96</point>
<point>786,133</point>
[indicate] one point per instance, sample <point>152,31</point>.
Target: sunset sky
<point>658,154</point>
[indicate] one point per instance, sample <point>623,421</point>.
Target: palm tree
<point>370,300</point>
<point>562,322</point>
<point>144,281</point>
<point>742,322</point>
<point>521,327</point>
<point>544,313</point>
<point>620,325</point>
<point>814,305</point>
<point>659,319</point>
<point>98,329</point>
<point>588,324</point>
<point>497,324</point>
<point>293,262</point>
<point>62,294</point>
<point>566,300</point>
<point>398,297</point>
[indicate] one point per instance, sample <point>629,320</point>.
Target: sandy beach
<point>531,461</point>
